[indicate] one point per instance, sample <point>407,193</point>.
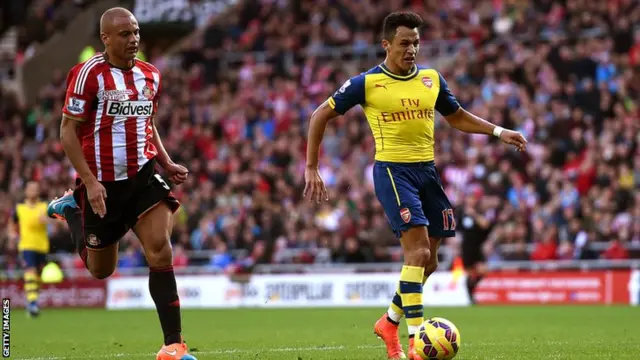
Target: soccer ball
<point>437,339</point>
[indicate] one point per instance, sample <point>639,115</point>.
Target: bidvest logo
<point>129,108</point>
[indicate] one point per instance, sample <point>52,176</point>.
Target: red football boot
<point>177,351</point>
<point>388,332</point>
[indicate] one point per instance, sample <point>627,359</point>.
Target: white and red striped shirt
<point>115,107</point>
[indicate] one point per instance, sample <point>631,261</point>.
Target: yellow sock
<point>31,286</point>
<point>411,294</point>
<point>395,312</point>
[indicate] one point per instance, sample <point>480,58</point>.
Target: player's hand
<point>177,173</point>
<point>96,194</point>
<point>514,138</point>
<point>314,188</point>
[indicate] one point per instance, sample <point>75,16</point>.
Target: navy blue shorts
<point>412,195</point>
<point>33,259</point>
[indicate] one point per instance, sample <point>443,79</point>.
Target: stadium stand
<point>239,93</point>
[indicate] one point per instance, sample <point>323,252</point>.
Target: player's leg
<point>96,239</point>
<point>101,262</point>
<point>432,265</point>
<point>417,252</point>
<point>438,209</point>
<point>400,200</point>
<point>395,312</point>
<point>442,224</point>
<point>475,273</point>
<point>154,231</point>
<point>153,219</point>
<point>32,263</point>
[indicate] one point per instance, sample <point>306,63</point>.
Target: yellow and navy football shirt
<point>400,110</point>
<point>33,232</point>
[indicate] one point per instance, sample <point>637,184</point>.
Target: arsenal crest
<point>427,82</point>
<point>405,214</point>
<point>147,93</point>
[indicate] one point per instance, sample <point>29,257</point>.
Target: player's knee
<point>431,267</point>
<point>418,257</point>
<point>101,273</point>
<point>160,255</point>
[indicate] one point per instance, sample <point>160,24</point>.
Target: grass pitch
<point>512,333</point>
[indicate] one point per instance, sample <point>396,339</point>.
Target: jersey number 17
<point>448,220</point>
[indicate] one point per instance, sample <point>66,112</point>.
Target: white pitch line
<point>269,350</point>
<point>214,352</point>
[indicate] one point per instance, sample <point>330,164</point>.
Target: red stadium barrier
<point>556,287</point>
<point>69,293</point>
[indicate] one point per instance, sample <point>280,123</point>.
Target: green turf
<point>487,333</point>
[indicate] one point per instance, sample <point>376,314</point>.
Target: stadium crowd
<point>564,73</point>
<point>35,22</point>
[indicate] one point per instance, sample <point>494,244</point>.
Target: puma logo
<point>381,86</point>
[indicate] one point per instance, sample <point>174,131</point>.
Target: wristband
<point>497,131</point>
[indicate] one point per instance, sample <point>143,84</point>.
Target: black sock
<point>475,283</point>
<point>472,283</point>
<point>164,292</point>
<point>74,219</point>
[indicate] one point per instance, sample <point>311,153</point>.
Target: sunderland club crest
<point>147,93</point>
<point>93,240</point>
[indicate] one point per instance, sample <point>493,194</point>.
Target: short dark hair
<point>396,19</point>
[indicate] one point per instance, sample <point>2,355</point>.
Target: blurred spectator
<point>221,258</point>
<point>615,251</point>
<point>180,258</point>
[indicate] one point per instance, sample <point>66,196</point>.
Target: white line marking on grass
<point>214,352</point>
<point>269,350</point>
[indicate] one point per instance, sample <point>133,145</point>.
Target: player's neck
<point>396,70</point>
<point>31,202</point>
<point>118,63</point>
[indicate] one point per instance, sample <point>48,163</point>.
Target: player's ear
<point>105,38</point>
<point>386,44</point>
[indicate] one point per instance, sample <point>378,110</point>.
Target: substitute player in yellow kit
<point>399,99</point>
<point>30,224</point>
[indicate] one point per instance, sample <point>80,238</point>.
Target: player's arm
<point>12,229</point>
<point>319,119</point>
<point>73,149</point>
<point>447,105</point>
<point>479,218</point>
<point>177,173</point>
<point>350,94</point>
<point>163,156</point>
<point>81,92</point>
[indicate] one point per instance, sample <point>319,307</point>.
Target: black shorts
<point>472,253</point>
<point>127,200</point>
